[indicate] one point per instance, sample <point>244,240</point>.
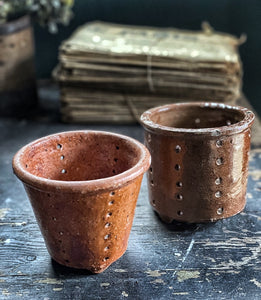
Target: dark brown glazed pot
<point>199,160</point>
<point>83,187</point>
<point>18,95</point>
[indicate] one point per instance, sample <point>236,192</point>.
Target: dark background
<point>232,16</point>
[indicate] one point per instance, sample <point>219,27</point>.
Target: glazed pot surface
<point>199,160</point>
<point>83,187</point>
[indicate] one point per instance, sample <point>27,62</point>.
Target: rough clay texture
<point>197,177</point>
<point>86,215</point>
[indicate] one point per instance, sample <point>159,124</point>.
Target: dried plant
<point>46,12</point>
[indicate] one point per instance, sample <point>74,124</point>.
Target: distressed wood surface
<point>200,261</point>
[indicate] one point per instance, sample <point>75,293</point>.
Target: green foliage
<point>46,12</point>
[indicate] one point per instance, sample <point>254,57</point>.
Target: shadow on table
<point>176,226</point>
<point>65,271</point>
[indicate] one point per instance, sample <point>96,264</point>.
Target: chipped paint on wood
<point>158,280</point>
<point>57,289</point>
<point>5,292</point>
<point>180,293</point>
<point>255,249</point>
<point>124,294</point>
<point>155,273</point>
<point>3,212</point>
<point>120,271</point>
<point>104,284</point>
<point>13,224</point>
<point>183,275</point>
<point>257,283</point>
<point>49,281</point>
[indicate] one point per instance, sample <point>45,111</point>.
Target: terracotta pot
<point>199,160</point>
<point>17,69</point>
<point>83,187</point>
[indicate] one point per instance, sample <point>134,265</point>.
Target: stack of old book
<point>112,73</point>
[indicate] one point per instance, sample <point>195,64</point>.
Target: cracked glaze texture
<point>199,160</point>
<point>83,187</point>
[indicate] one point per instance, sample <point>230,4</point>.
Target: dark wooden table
<point>199,261</point>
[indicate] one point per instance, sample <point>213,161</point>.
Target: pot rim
<point>85,186</point>
<point>238,127</point>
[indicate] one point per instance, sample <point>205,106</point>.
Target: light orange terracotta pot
<point>83,187</point>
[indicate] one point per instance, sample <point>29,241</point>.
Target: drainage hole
<point>178,149</point>
<point>59,146</point>
<point>113,171</point>
<point>106,248</point>
<point>62,157</point>
<point>228,122</point>
<point>67,261</point>
<point>117,147</point>
<point>115,159</point>
<point>106,258</point>
<point>179,197</point>
<point>219,161</point>
<point>109,214</point>
<point>54,219</point>
<point>180,213</point>
<point>152,182</point>
<point>177,167</point>
<point>106,236</point>
<point>107,225</point>
<point>219,143</point>
<point>218,194</point>
<point>112,193</point>
<point>218,181</point>
<point>153,202</point>
<point>26,166</point>
<point>220,211</point>
<point>63,171</point>
<point>179,184</point>
<point>111,202</point>
<point>150,169</point>
<point>61,233</point>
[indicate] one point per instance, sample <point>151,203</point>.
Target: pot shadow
<point>60,270</point>
<point>177,226</point>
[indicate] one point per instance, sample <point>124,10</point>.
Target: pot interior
<point>196,117</point>
<point>80,156</point>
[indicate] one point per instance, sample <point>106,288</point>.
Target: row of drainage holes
<point>63,251</point>
<point>178,150</point>
<point>218,181</point>
<point>180,212</point>
<point>179,183</point>
<point>219,211</point>
<point>59,146</point>
<point>62,158</point>
<point>107,225</point>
